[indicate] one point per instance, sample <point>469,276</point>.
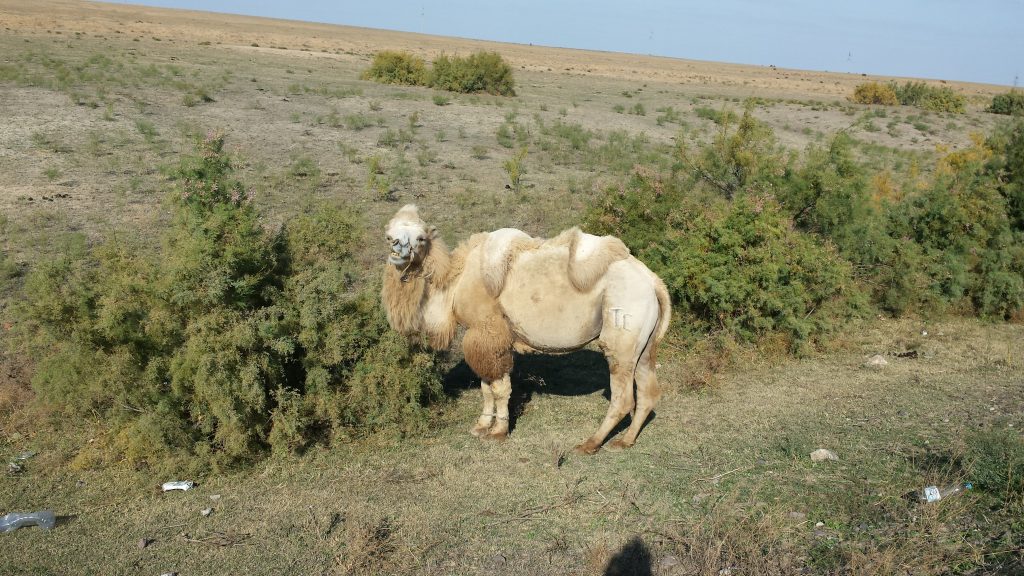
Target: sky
<point>977,41</point>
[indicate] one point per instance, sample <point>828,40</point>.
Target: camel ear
<point>432,232</point>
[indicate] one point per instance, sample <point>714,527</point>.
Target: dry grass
<point>719,480</point>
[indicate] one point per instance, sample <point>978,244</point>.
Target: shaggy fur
<point>404,299</point>
<point>514,292</point>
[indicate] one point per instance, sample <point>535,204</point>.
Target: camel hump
<point>590,256</point>
<point>498,252</point>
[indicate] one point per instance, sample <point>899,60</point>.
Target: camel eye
<point>389,238</point>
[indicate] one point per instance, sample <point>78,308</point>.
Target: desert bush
<point>874,93</point>
<point>927,97</point>
<point>1007,166</point>
<point>479,72</point>
<point>228,341</point>
<point>1011,103</point>
<point>391,67</point>
<point>737,266</point>
<point>515,167</point>
<point>713,225</point>
<point>719,117</point>
<point>745,159</point>
<point>963,226</point>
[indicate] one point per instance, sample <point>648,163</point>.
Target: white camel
<point>513,292</point>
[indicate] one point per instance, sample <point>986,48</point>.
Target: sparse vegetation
<point>480,72</point>
<point>1011,103</point>
<point>239,343</point>
<point>515,167</point>
<point>912,93</point>
<point>875,93</point>
<point>391,67</point>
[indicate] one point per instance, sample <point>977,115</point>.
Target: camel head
<point>409,237</point>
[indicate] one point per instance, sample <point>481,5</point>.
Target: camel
<point>516,293</point>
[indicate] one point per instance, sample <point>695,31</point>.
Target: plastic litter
<point>45,519</point>
<point>178,485</point>
<point>936,493</point>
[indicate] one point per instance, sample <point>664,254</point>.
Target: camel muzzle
<point>401,252</point>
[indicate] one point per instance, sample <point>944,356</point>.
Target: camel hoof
<point>588,448</point>
<point>479,431</point>
<point>498,436</point>
<point>618,445</point>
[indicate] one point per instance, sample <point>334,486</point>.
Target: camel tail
<point>665,303</point>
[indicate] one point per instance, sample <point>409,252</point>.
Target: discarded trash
<point>15,468</point>
<point>45,519</point>
<point>936,493</point>
<point>178,485</point>
<point>206,512</point>
<point>822,454</point>
<point>214,497</point>
<point>876,361</point>
<point>26,455</point>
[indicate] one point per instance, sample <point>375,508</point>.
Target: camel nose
<point>400,251</point>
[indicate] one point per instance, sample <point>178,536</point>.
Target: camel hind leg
<point>631,317</point>
<point>621,366</point>
<point>647,395</point>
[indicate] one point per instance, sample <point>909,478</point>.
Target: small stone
<point>143,542</point>
<point>798,516</point>
<point>668,562</point>
<point>876,361</point>
<point>206,512</point>
<point>498,560</point>
<point>821,454</point>
<point>214,497</point>
<point>819,524</point>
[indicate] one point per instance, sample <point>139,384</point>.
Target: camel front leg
<point>502,389</point>
<point>486,419</point>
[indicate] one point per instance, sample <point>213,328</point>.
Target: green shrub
<point>391,67</point>
<point>1007,166</point>
<point>874,93</point>
<point>720,117</point>
<point>737,266</point>
<point>479,72</point>
<point>927,97</point>
<point>515,168</point>
<point>230,340</point>
<point>1011,103</point>
<point>746,159</point>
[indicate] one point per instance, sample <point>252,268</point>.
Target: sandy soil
<point>347,41</point>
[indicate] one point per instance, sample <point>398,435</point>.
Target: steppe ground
<point>97,98</point>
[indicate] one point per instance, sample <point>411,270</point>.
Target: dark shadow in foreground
<point>633,559</point>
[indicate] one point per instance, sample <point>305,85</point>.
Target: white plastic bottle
<point>936,493</point>
<point>45,519</point>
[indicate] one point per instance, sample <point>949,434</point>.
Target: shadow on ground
<point>633,559</point>
<point>579,373</point>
